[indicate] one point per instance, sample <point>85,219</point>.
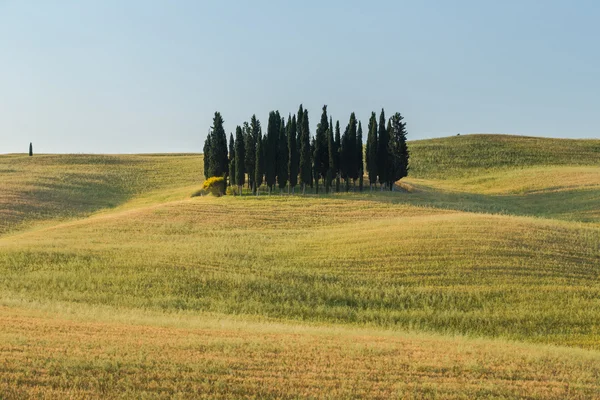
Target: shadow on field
<point>579,205</point>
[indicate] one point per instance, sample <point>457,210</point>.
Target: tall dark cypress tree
<point>299,136</point>
<point>352,165</point>
<point>240,161</point>
<point>383,141</point>
<point>256,133</point>
<point>30,149</point>
<point>371,153</point>
<point>338,147</point>
<point>313,170</point>
<point>219,163</point>
<point>388,161</point>
<point>321,154</point>
<point>305,154</point>
<point>271,150</point>
<point>293,157</point>
<point>232,177</point>
<point>359,156</point>
<point>332,153</point>
<point>282,155</point>
<point>206,157</point>
<point>250,153</point>
<point>259,163</point>
<point>398,149</point>
<point>345,158</point>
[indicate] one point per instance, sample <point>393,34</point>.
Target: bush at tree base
<point>215,185</point>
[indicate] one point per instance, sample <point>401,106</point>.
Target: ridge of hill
<point>45,189</point>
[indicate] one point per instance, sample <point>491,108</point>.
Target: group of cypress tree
<point>287,156</point>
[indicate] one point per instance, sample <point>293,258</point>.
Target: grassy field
<point>479,279</point>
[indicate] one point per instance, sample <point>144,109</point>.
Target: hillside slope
<point>469,155</point>
<point>58,187</point>
<point>115,282</point>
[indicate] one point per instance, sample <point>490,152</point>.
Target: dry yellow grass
<point>521,181</point>
<point>346,260</point>
<point>115,283</point>
<point>45,355</point>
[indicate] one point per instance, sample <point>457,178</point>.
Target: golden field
<point>478,279</point>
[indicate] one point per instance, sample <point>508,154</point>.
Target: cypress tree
<point>271,150</point>
<point>265,146</point>
<point>240,162</point>
<point>398,149</point>
<point>299,136</point>
<point>282,155</point>
<point>219,163</point>
<point>338,147</point>
<point>232,177</point>
<point>258,164</point>
<point>250,153</point>
<point>305,153</point>
<point>207,152</point>
<point>30,149</point>
<point>321,153</point>
<point>388,160</point>
<point>345,158</point>
<point>359,156</point>
<point>352,162</point>
<point>313,170</point>
<point>256,134</point>
<point>372,150</point>
<point>382,150</point>
<point>293,157</point>
<point>331,155</point>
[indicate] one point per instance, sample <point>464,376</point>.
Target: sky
<point>139,76</point>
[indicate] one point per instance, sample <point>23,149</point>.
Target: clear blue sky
<point>114,76</point>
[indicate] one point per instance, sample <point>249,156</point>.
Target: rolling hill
<point>478,279</point>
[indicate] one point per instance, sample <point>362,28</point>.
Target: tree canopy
<point>287,155</point>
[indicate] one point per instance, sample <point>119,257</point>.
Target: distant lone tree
<point>30,149</point>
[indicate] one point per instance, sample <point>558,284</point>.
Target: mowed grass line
<point>325,260</point>
<point>47,356</point>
